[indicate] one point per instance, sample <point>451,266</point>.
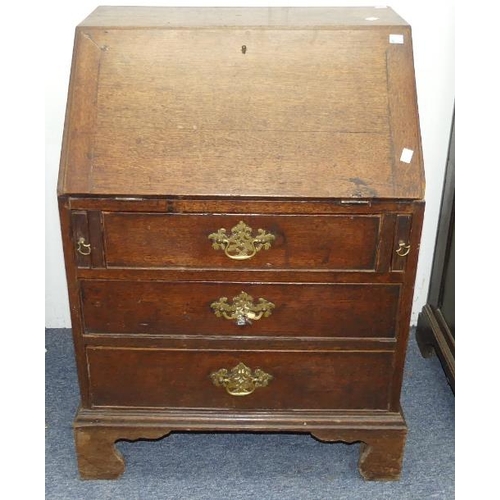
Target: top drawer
<point>159,240</point>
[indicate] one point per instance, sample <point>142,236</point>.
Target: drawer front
<point>286,242</point>
<point>198,308</point>
<point>162,378</point>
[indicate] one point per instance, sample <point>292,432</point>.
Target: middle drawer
<point>240,309</point>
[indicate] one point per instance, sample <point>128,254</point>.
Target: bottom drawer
<point>166,378</point>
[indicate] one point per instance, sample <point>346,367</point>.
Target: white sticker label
<point>371,18</point>
<point>399,39</point>
<point>406,155</point>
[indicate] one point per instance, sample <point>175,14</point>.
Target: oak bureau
<point>241,200</point>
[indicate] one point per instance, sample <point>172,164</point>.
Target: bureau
<point>241,200</point>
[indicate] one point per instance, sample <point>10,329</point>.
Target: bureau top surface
<point>243,102</point>
<point>261,17</point>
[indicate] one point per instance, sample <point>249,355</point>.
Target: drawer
<point>156,240</point>
<point>199,308</point>
<point>162,378</point>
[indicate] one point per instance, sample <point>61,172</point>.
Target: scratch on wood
<point>89,37</point>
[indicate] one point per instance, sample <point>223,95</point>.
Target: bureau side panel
<point>405,309</point>
<point>67,232</point>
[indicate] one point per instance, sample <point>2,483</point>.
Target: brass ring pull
<point>240,381</point>
<point>243,311</point>
<point>82,247</point>
<point>403,250</point>
<point>240,244</point>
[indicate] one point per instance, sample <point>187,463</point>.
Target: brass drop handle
<point>403,249</point>
<point>240,244</point>
<point>82,247</point>
<point>243,310</point>
<point>240,380</point>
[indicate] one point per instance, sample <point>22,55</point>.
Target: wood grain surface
<point>299,113</point>
<point>256,18</point>
<point>302,122</point>
<point>181,378</point>
<point>317,242</point>
<point>183,308</point>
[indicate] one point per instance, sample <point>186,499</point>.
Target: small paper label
<point>371,18</point>
<point>406,155</point>
<point>399,39</point>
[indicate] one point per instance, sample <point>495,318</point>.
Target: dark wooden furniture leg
<point>434,336</point>
<point>97,455</point>
<point>381,457</point>
<point>424,336</point>
<point>381,454</point>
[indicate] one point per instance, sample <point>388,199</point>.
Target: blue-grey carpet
<point>248,466</point>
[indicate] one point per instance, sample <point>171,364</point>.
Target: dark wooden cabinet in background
<point>241,200</point>
<point>436,323</point>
